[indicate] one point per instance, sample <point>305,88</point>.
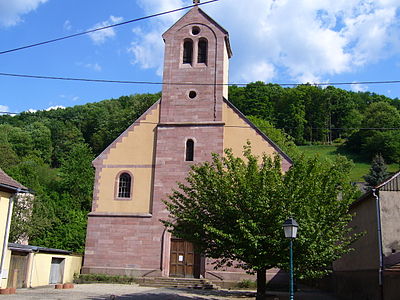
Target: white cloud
<point>148,47</point>
<point>12,10</point>
<point>55,107</point>
<point>95,67</point>
<point>149,52</point>
<point>67,97</point>
<point>67,25</point>
<point>99,37</point>
<point>356,87</point>
<point>4,108</point>
<point>262,70</point>
<point>31,110</point>
<point>304,40</point>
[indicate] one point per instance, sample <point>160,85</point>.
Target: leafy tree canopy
<point>233,210</point>
<point>377,173</point>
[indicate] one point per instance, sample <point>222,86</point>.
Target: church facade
<point>140,168</point>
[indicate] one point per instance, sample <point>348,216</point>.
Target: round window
<point>195,30</point>
<point>192,94</point>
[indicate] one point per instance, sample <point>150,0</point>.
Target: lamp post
<point>290,227</point>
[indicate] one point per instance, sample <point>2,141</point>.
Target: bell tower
<point>197,51</point>
<point>191,123</point>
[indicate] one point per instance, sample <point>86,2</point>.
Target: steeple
<point>197,51</point>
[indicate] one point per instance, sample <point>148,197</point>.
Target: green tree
<point>64,136</point>
<point>378,136</point>
<point>77,176</point>
<point>291,115</point>
<point>278,136</point>
<point>41,140</point>
<point>377,173</point>
<point>8,156</point>
<point>233,210</point>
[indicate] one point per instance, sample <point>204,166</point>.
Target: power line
<point>78,79</point>
<point>269,127</point>
<point>102,28</point>
<point>189,83</point>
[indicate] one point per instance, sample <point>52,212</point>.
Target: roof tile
<point>8,181</point>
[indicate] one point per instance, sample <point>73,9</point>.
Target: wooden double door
<point>17,270</point>
<point>184,261</point>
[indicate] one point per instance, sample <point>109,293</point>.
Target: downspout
<point>379,228</point>
<point>32,265</point>
<point>6,234</point>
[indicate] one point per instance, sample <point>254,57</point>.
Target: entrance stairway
<point>171,282</point>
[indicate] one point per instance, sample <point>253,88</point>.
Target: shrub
<point>103,278</point>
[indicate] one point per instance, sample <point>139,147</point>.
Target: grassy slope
<point>361,167</point>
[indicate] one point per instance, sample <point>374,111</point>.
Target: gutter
<point>14,189</point>
<point>379,229</point>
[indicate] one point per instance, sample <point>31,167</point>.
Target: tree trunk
<point>261,284</point>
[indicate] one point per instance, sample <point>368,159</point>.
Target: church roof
<point>9,184</point>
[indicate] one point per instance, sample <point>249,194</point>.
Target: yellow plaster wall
<point>3,282</point>
<point>237,132</point>
<point>4,201</point>
<point>137,146</point>
<point>73,266</point>
<point>141,191</point>
<point>41,266</point>
<point>134,154</point>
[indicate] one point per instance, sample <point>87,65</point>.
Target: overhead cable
<point>104,27</point>
<point>190,83</point>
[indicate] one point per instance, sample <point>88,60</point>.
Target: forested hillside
<point>51,151</point>
<point>367,122</point>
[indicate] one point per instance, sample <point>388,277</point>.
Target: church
<point>140,168</point>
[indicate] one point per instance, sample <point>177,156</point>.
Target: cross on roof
<point>196,2</point>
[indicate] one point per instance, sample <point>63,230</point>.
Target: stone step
<point>170,282</point>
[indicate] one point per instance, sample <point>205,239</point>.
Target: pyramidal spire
<point>196,2</point>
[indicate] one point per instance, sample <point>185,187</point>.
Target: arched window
<point>187,51</point>
<point>189,150</point>
<point>124,185</point>
<point>202,51</point>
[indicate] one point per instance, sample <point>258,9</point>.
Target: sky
<point>278,41</point>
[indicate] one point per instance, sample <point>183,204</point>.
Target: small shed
<point>32,266</point>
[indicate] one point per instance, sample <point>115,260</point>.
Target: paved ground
<point>133,292</point>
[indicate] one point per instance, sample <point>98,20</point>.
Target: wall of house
<point>41,266</point>
<point>356,273</point>
<point>390,216</point>
<point>4,201</point>
<point>3,281</point>
<point>366,253</point>
<point>132,152</point>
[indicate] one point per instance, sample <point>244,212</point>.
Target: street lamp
<point>290,227</point>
